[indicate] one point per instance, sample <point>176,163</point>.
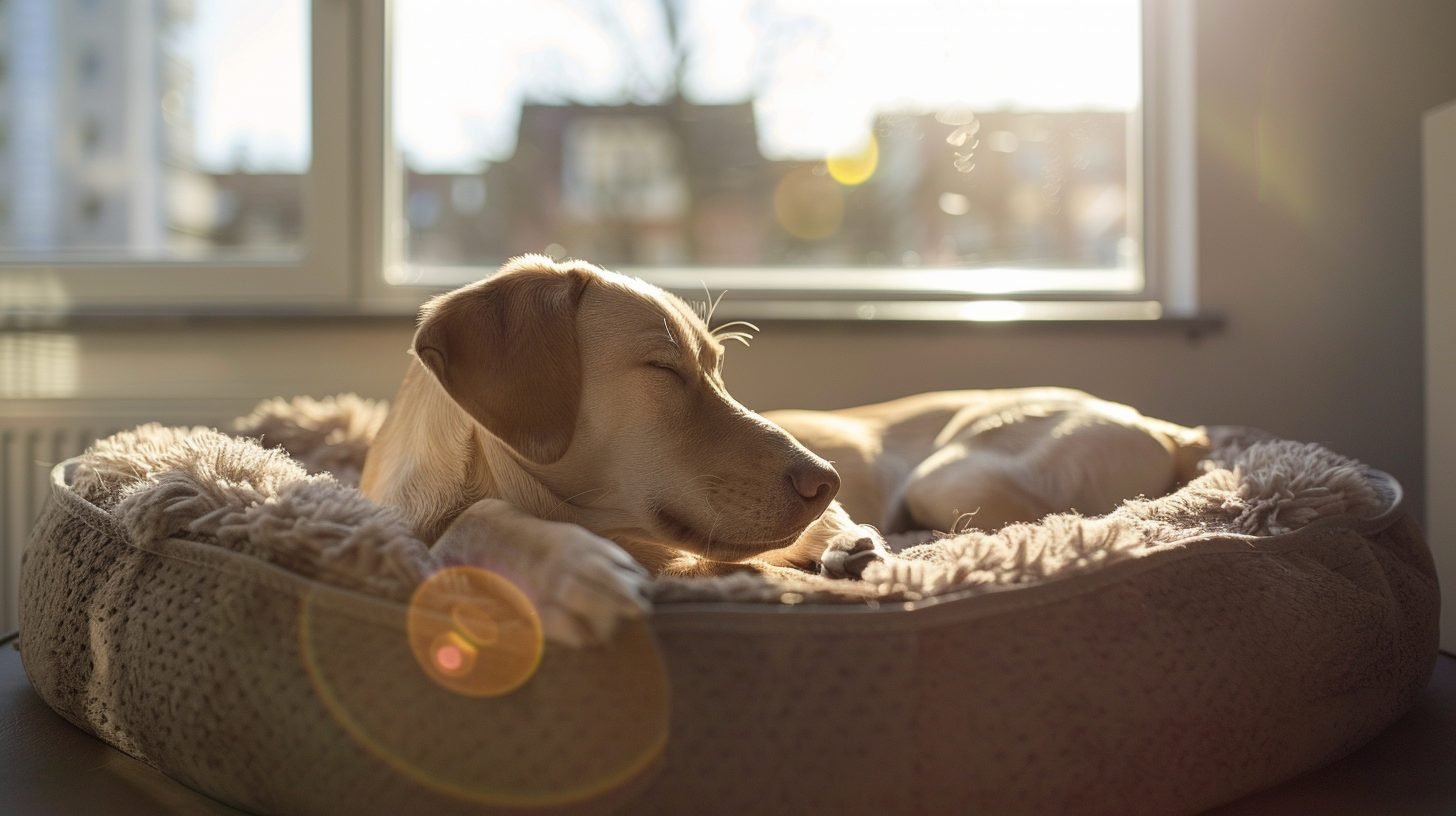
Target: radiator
<point>35,435</point>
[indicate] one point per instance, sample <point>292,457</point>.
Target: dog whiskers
<point>711,305</point>
<point>712,528</point>
<point>719,330</point>
<point>707,308</point>
<point>956,527</point>
<point>689,491</point>
<point>689,494</point>
<point>573,498</point>
<point>743,335</point>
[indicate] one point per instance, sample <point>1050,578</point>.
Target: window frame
<point>1164,198</point>
<point>319,275</point>
<point>352,260</point>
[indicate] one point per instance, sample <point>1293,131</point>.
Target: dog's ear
<point>505,350</point>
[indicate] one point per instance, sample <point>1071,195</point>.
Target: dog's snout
<point>816,483</point>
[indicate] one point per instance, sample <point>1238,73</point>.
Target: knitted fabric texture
<point>236,616</point>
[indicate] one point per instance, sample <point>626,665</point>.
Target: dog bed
<point>239,617</point>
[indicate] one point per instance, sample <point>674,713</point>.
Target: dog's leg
<point>954,486</point>
<point>1088,461</point>
<point>834,546</point>
<point>582,584</point>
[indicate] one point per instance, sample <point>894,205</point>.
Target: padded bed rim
<point>953,607</point>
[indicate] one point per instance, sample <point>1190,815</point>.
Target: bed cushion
<point>215,609</point>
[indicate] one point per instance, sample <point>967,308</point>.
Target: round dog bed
<point>212,608</point>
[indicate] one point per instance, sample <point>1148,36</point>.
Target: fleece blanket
<point>231,610</point>
<point>1254,485</point>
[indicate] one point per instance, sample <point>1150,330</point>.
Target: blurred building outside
<point>629,185</point>
<point>96,132</point>
<point>97,155</point>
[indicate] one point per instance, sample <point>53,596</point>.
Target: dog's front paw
<point>592,586</point>
<point>581,584</point>
<point>849,552</point>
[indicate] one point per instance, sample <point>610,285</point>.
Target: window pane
<point>947,133</point>
<point>165,129</point>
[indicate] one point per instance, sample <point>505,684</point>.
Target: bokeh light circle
<point>854,167</point>
<point>474,632</point>
<point>808,205</point>
<point>452,690</point>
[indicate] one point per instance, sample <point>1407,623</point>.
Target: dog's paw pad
<point>855,562</point>
<point>848,554</point>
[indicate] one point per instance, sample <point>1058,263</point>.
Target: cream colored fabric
<point>211,608</point>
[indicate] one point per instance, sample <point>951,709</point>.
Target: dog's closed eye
<point>669,368</point>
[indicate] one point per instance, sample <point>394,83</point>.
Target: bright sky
<point>819,69</point>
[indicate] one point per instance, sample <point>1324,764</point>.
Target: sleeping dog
<point>571,426</point>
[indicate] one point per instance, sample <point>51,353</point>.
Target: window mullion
<point>379,177</point>
<point>329,189</point>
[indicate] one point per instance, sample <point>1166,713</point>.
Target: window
<point>974,146</point>
<point>91,208</point>
<point>186,122</point>
<point>90,67</point>
<point>251,153</point>
<point>90,137</point>
<point>165,151</point>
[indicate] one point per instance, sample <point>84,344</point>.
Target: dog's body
<point>986,459</point>
<point>555,406</point>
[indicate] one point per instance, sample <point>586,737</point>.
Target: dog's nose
<point>815,482</point>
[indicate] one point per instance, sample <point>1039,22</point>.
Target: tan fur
<point>566,393</point>
<point>518,376</point>
<point>953,459</point>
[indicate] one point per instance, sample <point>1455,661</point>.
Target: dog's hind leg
<point>956,488</point>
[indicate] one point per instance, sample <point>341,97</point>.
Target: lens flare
<point>474,633</point>
<point>450,657</point>
<point>854,167</point>
<point>808,205</point>
<point>455,692</point>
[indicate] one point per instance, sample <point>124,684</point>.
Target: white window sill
<point>865,313</point>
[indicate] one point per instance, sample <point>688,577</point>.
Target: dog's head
<point>609,392</point>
